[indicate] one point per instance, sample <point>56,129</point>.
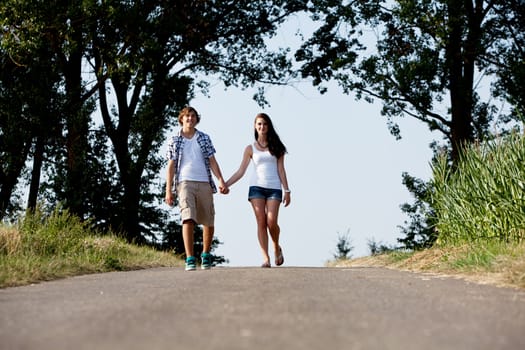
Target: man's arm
<point>216,170</point>
<point>170,173</point>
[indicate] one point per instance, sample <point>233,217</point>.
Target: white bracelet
<point>287,191</point>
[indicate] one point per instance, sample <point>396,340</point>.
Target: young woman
<point>266,185</point>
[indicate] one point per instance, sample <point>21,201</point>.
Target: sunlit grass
<point>45,247</point>
<point>480,212</point>
<point>484,198</point>
<point>497,263</point>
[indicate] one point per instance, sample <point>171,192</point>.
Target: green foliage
<point>505,59</point>
<point>378,248</point>
<point>419,231</point>
<point>419,58</point>
<point>29,115</point>
<point>143,61</point>
<point>483,198</point>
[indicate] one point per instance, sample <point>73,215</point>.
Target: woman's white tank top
<point>265,172</point>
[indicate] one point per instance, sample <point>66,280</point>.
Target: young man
<point>191,162</point>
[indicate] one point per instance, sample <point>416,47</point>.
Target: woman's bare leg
<point>259,208</point>
<point>272,215</point>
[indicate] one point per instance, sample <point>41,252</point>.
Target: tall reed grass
<point>483,199</point>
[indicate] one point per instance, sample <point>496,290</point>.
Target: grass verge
<point>100,254</point>
<point>57,246</point>
<point>495,264</point>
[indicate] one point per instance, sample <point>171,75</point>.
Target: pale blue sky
<point>343,166</point>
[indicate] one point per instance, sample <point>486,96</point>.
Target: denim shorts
<point>256,192</point>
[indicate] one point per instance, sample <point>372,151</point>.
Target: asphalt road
<point>252,308</point>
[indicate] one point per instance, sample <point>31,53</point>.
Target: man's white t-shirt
<point>192,165</point>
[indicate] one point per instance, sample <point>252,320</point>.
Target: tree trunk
<point>38,159</point>
<point>10,177</point>
<point>461,73</point>
<point>131,218</point>
<point>77,122</point>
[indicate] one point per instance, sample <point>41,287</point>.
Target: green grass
<point>481,257</point>
<point>46,247</point>
<point>484,198</point>
<point>501,264</point>
<point>480,215</point>
<point>480,210</point>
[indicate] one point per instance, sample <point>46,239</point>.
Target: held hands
<point>223,187</point>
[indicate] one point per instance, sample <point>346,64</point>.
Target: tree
<point>428,62</point>
<point>425,62</point>
<point>59,27</point>
<point>15,136</point>
<point>506,58</point>
<point>30,101</point>
<point>378,248</point>
<point>420,231</point>
<point>152,63</point>
<point>143,60</point>
<point>344,247</point>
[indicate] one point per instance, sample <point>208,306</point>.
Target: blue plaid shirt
<point>175,151</point>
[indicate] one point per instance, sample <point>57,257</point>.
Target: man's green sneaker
<point>206,261</point>
<point>191,264</point>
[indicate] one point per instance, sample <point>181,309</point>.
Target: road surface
<point>251,308</point>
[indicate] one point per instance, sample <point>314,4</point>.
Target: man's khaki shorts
<point>196,202</point>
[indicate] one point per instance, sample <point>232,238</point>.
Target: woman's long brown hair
<point>275,145</point>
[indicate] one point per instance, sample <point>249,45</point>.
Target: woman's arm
<point>284,181</point>
<point>247,156</point>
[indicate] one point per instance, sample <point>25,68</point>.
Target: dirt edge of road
<point>508,273</point>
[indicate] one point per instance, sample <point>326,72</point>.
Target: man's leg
<point>187,234</point>
<point>207,238</point>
